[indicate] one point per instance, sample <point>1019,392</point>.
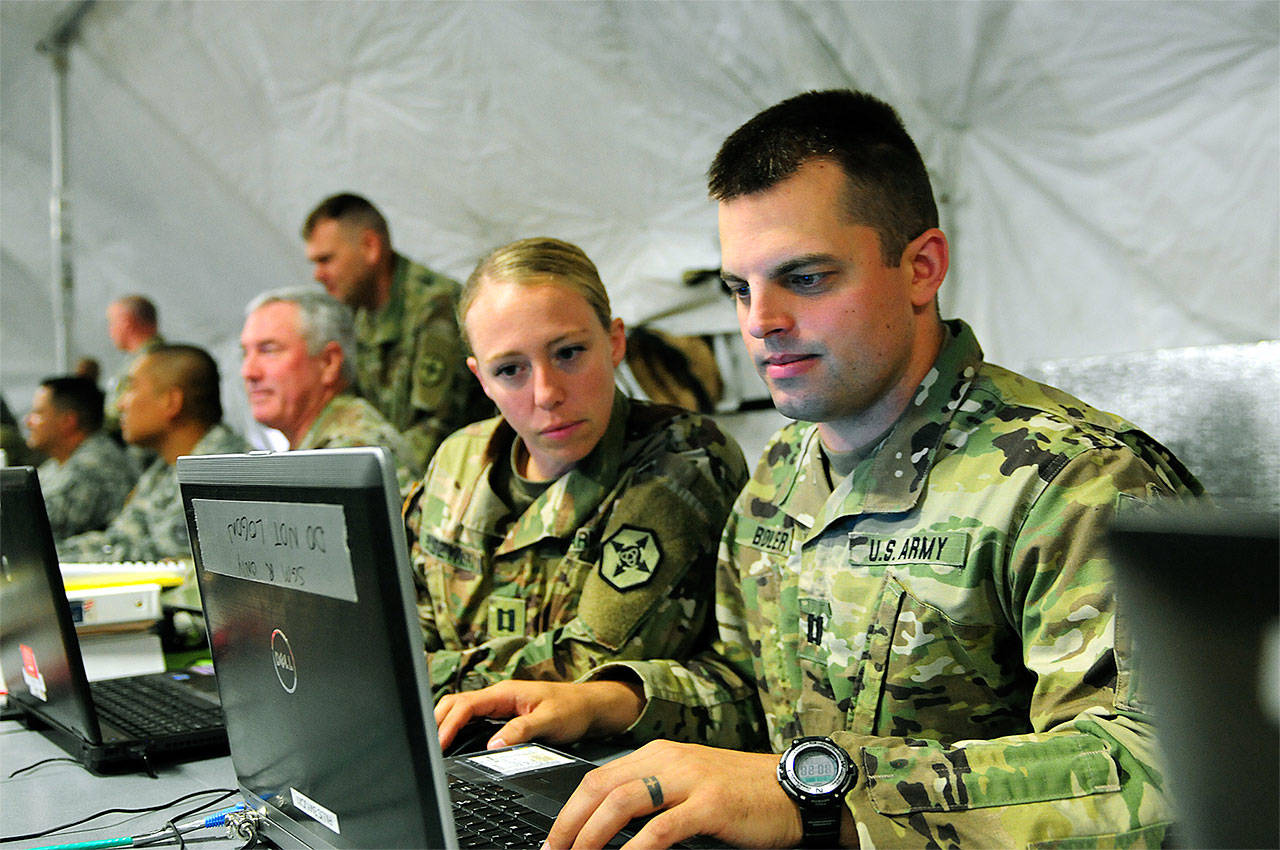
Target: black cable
<point>42,761</point>
<point>189,812</point>
<point>144,810</point>
<point>182,843</point>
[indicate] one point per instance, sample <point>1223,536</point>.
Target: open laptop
<point>309,600</point>
<point>1200,590</point>
<point>112,725</point>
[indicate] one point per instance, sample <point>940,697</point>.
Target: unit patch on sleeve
<point>430,370</point>
<point>630,558</point>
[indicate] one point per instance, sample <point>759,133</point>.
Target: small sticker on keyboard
<point>519,759</point>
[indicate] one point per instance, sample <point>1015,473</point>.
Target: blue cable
<point>213,820</point>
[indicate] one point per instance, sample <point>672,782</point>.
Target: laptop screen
<point>303,571</point>
<point>1200,590</point>
<point>39,651</point>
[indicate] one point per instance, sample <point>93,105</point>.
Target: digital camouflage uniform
<point>946,616</point>
<point>151,525</point>
<point>613,560</point>
<point>349,421</point>
<point>88,490</point>
<point>411,364</point>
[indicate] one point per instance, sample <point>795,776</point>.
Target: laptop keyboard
<point>493,816</point>
<point>147,709</point>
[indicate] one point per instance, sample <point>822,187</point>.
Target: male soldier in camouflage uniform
<point>920,577</point>
<point>579,526</point>
<point>88,475</point>
<point>297,367</point>
<point>133,326</point>
<point>410,362</point>
<point>170,405</point>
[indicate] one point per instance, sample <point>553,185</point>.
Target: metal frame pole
<point>55,44</point>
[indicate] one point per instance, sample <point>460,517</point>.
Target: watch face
<point>815,768</point>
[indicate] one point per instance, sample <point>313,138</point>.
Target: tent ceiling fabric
<point>1109,172</point>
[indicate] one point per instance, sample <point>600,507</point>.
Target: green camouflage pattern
<point>946,615</point>
<point>88,490</point>
<point>350,421</point>
<point>411,363</point>
<point>151,525</point>
<point>613,560</point>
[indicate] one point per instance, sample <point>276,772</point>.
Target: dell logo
<point>282,660</point>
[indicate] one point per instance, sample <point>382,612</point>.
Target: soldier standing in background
<point>134,328</point>
<point>409,359</point>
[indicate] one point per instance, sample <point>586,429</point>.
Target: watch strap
<point>821,822</point>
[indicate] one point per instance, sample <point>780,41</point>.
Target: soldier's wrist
<point>617,703</point>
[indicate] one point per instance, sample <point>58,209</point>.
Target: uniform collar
<point>564,506</point>
<point>333,407</point>
<point>385,324</point>
<point>892,478</point>
<point>219,439</point>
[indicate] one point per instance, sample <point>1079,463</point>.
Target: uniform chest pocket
<point>564,590</point>
<point>769,601</point>
<point>844,642</point>
<point>940,663</point>
<point>880,649</point>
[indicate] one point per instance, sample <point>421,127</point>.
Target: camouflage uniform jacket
<point>349,421</point>
<point>88,490</point>
<point>151,525</point>
<point>411,364</point>
<point>613,560</point>
<point>946,615</point>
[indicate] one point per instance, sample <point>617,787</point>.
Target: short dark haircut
<point>192,370</point>
<point>78,395</point>
<point>888,185</point>
<point>141,308</point>
<point>350,209</point>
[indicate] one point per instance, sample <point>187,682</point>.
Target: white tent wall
<point>1109,173</point>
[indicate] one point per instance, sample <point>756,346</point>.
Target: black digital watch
<point>817,774</point>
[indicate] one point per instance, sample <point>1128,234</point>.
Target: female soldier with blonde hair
<point>579,526</point>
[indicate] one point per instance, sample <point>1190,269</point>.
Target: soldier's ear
<point>617,341</point>
<point>173,399</point>
<point>928,257</point>
<point>331,364</point>
<point>474,366</point>
<point>371,246</point>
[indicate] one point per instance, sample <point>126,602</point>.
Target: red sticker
<point>31,673</point>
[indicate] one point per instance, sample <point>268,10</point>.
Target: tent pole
<point>59,230</point>
<point>55,44</point>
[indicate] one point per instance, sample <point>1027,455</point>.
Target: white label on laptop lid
<point>293,545</point>
<point>317,811</point>
<point>520,759</point>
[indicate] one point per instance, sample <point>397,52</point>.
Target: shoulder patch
<point>630,558</point>
<point>430,370</point>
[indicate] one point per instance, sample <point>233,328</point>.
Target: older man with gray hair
<point>298,367</point>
